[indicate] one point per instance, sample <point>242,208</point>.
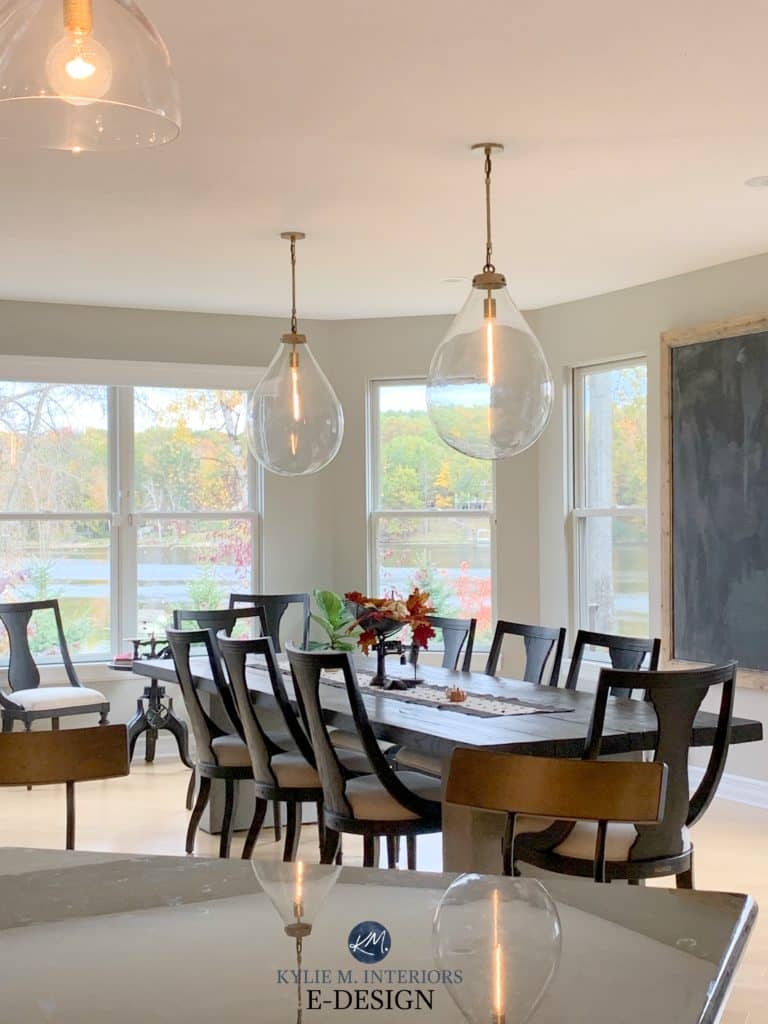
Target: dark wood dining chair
<point>289,777</point>
<point>625,652</point>
<point>69,756</point>
<point>600,792</point>
<point>27,700</point>
<point>219,754</point>
<point>458,635</point>
<point>275,606</point>
<point>386,803</point>
<point>539,643</point>
<point>665,848</point>
<point>226,619</point>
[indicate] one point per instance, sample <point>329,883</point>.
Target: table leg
<point>136,726</point>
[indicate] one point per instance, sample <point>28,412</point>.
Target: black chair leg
<point>331,846</point>
<point>292,831</point>
<point>276,816</point>
<point>191,789</point>
<point>685,879</point>
<point>28,728</point>
<point>203,795</point>
<point>70,815</point>
<point>228,822</point>
<point>320,826</point>
<point>370,851</point>
<point>393,851</point>
<point>259,814</point>
<point>411,847</point>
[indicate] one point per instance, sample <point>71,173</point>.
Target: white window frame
<point>120,377</point>
<point>375,513</point>
<point>580,511</point>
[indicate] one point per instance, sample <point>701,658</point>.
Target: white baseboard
<point>741,789</point>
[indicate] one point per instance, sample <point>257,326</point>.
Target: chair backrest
<point>275,606</point>
<point>260,746</point>
<point>553,787</point>
<point>677,698</point>
<point>23,673</point>
<point>204,729</point>
<point>458,635</point>
<point>307,667</point>
<point>625,652</point>
<point>218,619</point>
<point>539,642</point>
<point>68,755</point>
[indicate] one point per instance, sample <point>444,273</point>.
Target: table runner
<point>483,705</point>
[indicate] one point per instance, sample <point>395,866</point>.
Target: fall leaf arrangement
<point>373,612</point>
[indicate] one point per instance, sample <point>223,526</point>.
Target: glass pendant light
<point>295,420</point>
<point>84,75</point>
<point>489,390</point>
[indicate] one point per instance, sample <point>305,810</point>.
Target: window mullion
<point>127,576</point>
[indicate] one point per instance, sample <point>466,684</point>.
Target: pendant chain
<point>489,267</point>
<point>293,286</point>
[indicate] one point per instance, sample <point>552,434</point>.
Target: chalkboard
<point>718,524</point>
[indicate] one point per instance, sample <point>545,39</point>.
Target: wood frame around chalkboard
<point>718,330</point>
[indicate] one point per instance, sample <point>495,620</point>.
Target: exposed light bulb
<point>79,69</point>
<point>490,340</point>
<point>295,396</point>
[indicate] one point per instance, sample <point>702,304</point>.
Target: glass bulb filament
<point>295,394</point>
<point>489,311</point>
<point>497,966</point>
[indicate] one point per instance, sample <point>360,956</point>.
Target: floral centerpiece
<point>380,617</point>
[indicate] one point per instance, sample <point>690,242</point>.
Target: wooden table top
<point>629,724</point>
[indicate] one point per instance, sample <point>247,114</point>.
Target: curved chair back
<point>677,698</point>
<point>69,756</point>
<point>204,729</point>
<point>625,652</point>
<point>539,642</point>
<point>553,787</point>
<point>458,635</point>
<point>23,673</point>
<point>275,607</point>
<point>307,668</point>
<point>218,619</point>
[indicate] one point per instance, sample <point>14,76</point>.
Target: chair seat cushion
<point>370,801</point>
<point>580,844</point>
<point>52,698</point>
<point>293,772</point>
<point>416,761</point>
<point>344,740</point>
<point>231,752</point>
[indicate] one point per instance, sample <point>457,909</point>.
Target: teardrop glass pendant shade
<point>295,420</point>
<point>489,390</point>
<point>84,75</point>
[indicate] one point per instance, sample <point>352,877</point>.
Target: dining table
<point>548,721</point>
<point>93,937</point>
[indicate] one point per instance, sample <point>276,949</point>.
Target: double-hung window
<point>610,511</point>
<point>123,503</point>
<point>431,509</point>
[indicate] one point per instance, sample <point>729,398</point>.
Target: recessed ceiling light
<point>761,181</point>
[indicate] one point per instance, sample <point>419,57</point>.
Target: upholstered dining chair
<point>386,803</point>
<point>27,700</point>
<point>226,620</point>
<point>625,652</point>
<point>275,606</point>
<point>539,643</point>
<point>639,851</point>
<point>599,792</point>
<point>219,754</point>
<point>68,756</point>
<point>290,777</point>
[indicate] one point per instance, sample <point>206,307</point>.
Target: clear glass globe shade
<point>296,889</point>
<point>295,420</point>
<point>50,97</point>
<point>489,390</point>
<point>79,69</point>
<point>504,936</point>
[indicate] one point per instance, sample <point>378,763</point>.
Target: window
<point>610,498</point>
<point>123,503</point>
<point>431,510</point>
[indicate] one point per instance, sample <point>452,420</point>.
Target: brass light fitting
<point>293,337</point>
<point>78,16</point>
<point>490,279</point>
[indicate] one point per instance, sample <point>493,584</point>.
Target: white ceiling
<point>630,128</point>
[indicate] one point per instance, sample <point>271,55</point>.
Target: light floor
<point>145,813</point>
